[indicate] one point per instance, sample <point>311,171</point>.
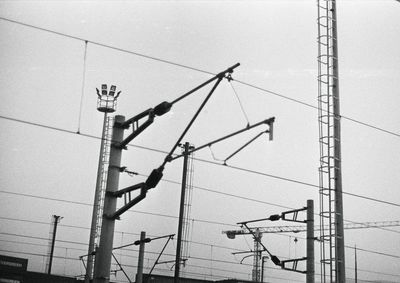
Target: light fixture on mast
<point>107,100</point>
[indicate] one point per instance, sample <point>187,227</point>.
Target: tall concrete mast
<point>106,104</point>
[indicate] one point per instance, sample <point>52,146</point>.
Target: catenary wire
<point>197,70</point>
<point>83,86</point>
<point>196,258</point>
<point>238,168</point>
<point>218,223</point>
<point>202,160</point>
<point>171,216</point>
<point>107,46</point>
<point>199,258</point>
<point>365,124</point>
<point>240,102</point>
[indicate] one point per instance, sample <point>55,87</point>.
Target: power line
<point>194,242</point>
<point>315,107</point>
<point>108,46</point>
<point>203,160</point>
<point>131,211</point>
<point>172,216</point>
<point>83,86</point>
<point>193,69</point>
<point>192,257</point>
<point>41,238</point>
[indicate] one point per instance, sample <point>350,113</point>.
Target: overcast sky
<point>47,169</point>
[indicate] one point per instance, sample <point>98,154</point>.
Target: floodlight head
<point>107,102</point>
<point>103,89</point>
<point>112,90</point>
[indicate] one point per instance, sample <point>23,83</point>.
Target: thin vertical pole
<point>340,254</point>
<point>139,274</point>
<point>93,228</point>
<point>102,263</point>
<point>181,211</point>
<point>53,241</point>
<point>310,276</point>
<point>355,263</point>
<point>262,268</point>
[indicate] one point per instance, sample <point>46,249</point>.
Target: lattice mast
<point>256,273</point>
<point>106,103</point>
<point>182,246</point>
<point>187,207</point>
<point>330,177</point>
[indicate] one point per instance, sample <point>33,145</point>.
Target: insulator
<point>154,178</point>
<point>274,217</point>
<point>162,108</point>
<point>275,260</point>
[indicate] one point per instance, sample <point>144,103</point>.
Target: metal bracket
<point>129,202</point>
<point>136,128</point>
<point>294,262</point>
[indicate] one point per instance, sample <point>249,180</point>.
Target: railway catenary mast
<point>330,176</point>
<point>106,104</point>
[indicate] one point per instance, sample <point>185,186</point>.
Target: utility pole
<point>292,216</point>
<point>355,264</point>
<point>341,274</point>
<point>262,268</point>
<point>310,275</point>
<point>53,241</point>
<point>139,274</point>
<point>181,212</point>
<point>103,255</point>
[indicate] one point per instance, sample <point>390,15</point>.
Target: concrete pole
<point>139,274</point>
<point>53,241</point>
<point>340,254</point>
<point>93,228</point>
<point>310,276</point>
<point>102,263</point>
<point>181,211</point>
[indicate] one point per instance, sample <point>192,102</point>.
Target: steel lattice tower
<point>330,177</point>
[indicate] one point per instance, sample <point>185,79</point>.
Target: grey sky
<point>275,42</point>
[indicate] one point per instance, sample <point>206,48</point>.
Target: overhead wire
<point>205,161</point>
<point>199,258</point>
<point>107,46</point>
<point>83,87</point>
<point>240,102</point>
<point>170,216</point>
<point>194,69</point>
<point>195,258</point>
<point>194,242</point>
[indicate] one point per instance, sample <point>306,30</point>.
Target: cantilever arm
<point>243,146</point>
<point>269,121</point>
<point>143,191</point>
<point>120,193</point>
<point>136,129</point>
